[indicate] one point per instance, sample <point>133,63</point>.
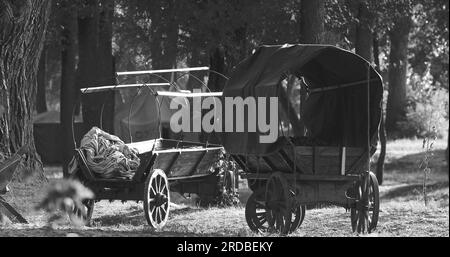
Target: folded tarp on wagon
<point>108,156</point>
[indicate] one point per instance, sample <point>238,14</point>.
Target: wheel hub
<point>160,199</point>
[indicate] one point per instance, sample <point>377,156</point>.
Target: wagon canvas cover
<point>337,115</point>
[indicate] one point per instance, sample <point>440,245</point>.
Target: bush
<point>427,111</point>
<point>226,193</point>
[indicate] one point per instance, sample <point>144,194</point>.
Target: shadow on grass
<point>413,161</point>
<point>133,218</point>
<point>412,190</point>
<point>137,217</point>
<point>47,232</point>
<point>186,210</point>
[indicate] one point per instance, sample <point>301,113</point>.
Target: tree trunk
<point>398,62</point>
<point>106,60</point>
<point>164,41</point>
<point>22,30</point>
<point>363,35</point>
<point>237,51</point>
<point>446,152</point>
<point>171,29</point>
<point>41,103</point>
<point>68,83</point>
<point>312,26</point>
<point>312,30</point>
<point>217,63</point>
<point>156,36</point>
<point>88,63</point>
<point>194,60</point>
<point>382,130</point>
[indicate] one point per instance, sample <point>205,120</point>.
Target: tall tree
<point>22,30</point>
<point>382,130</point>
<point>312,26</point>
<point>88,61</point>
<point>68,78</point>
<point>398,63</point>
<point>366,45</point>
<point>312,31</point>
<point>106,74</point>
<point>363,32</point>
<point>94,51</point>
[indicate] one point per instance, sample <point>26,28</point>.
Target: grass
<point>403,213</point>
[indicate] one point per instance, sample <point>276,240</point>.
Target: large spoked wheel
<point>279,204</point>
<point>256,213</point>
<point>156,199</point>
<point>364,216</point>
<point>83,214</point>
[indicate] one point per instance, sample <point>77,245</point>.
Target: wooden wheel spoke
<point>164,187</point>
<point>153,190</point>
<point>262,220</point>
<point>260,205</point>
<point>159,184</point>
<point>159,215</point>
<point>163,210</point>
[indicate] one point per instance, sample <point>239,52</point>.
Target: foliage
<point>237,26</point>
<point>227,193</point>
<point>429,46</point>
<point>165,33</point>
<point>64,195</point>
<point>428,108</point>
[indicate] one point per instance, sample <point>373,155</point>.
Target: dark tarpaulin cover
<point>337,117</point>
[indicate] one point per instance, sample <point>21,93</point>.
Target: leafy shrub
<point>226,193</point>
<point>427,110</point>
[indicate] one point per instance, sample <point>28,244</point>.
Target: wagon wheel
<point>279,204</point>
<point>364,216</point>
<point>256,214</point>
<point>156,199</point>
<point>84,214</point>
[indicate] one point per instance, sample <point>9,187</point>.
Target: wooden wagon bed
<point>315,162</point>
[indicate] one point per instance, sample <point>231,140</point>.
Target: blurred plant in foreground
<point>64,196</point>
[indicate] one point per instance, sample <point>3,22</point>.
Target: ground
<point>403,212</point>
